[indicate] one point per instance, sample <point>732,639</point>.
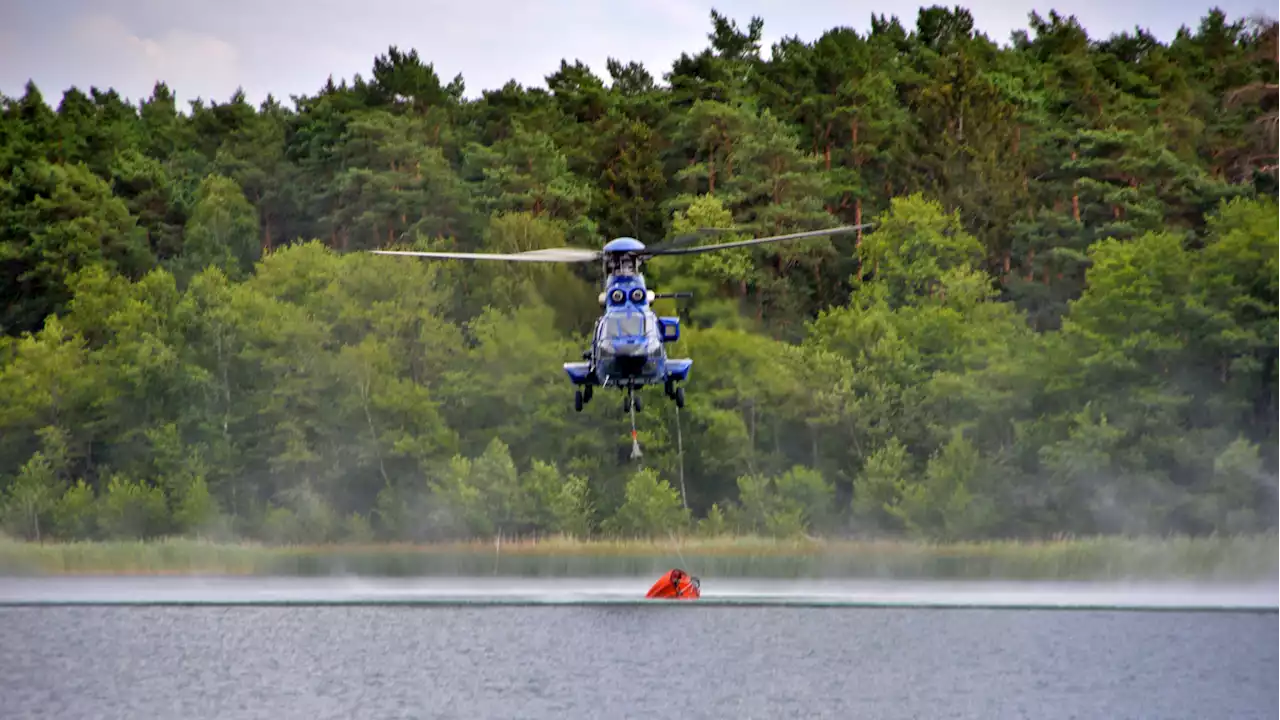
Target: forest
<point>1063,321</point>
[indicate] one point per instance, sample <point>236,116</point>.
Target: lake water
<point>496,648</point>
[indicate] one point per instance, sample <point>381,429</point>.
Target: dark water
<point>620,661</point>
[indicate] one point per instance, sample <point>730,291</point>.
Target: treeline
<point>1064,320</point>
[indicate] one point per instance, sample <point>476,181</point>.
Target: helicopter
<point>628,346</point>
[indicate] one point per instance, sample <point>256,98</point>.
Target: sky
<point>291,47</point>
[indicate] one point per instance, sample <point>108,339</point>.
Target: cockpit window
<point>626,325</point>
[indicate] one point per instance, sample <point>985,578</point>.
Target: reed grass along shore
<point>1211,558</point>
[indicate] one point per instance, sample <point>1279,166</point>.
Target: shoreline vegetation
<point>1062,321</point>
<point>1218,559</point>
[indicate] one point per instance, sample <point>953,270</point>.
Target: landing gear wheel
<point>637,401</point>
<point>680,398</point>
<point>586,394</point>
<point>626,404</point>
<point>577,400</point>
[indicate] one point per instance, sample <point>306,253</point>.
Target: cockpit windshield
<point>628,325</point>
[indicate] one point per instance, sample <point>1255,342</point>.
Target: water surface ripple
<point>279,662</point>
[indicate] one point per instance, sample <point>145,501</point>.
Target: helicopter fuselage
<point>628,346</point>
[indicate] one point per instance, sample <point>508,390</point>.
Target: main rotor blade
<point>685,239</point>
<point>565,255</point>
<point>757,241</point>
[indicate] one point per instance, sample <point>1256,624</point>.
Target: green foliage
<point>651,508</point>
<point>796,502</point>
<point>75,515</point>
<point>222,230</point>
<point>131,509</point>
<point>1064,320</point>
<point>916,246</point>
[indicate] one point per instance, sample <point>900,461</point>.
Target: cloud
<point>108,54</point>
<point>290,47</point>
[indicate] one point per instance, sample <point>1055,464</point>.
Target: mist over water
<point>1263,595</point>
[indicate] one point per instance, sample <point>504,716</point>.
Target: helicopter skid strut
<point>630,401</point>
<point>631,404</point>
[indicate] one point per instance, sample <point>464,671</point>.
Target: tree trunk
<point>857,220</point>
<point>813,443</point>
<point>1075,198</point>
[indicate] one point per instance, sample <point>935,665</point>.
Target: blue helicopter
<point>628,347</point>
